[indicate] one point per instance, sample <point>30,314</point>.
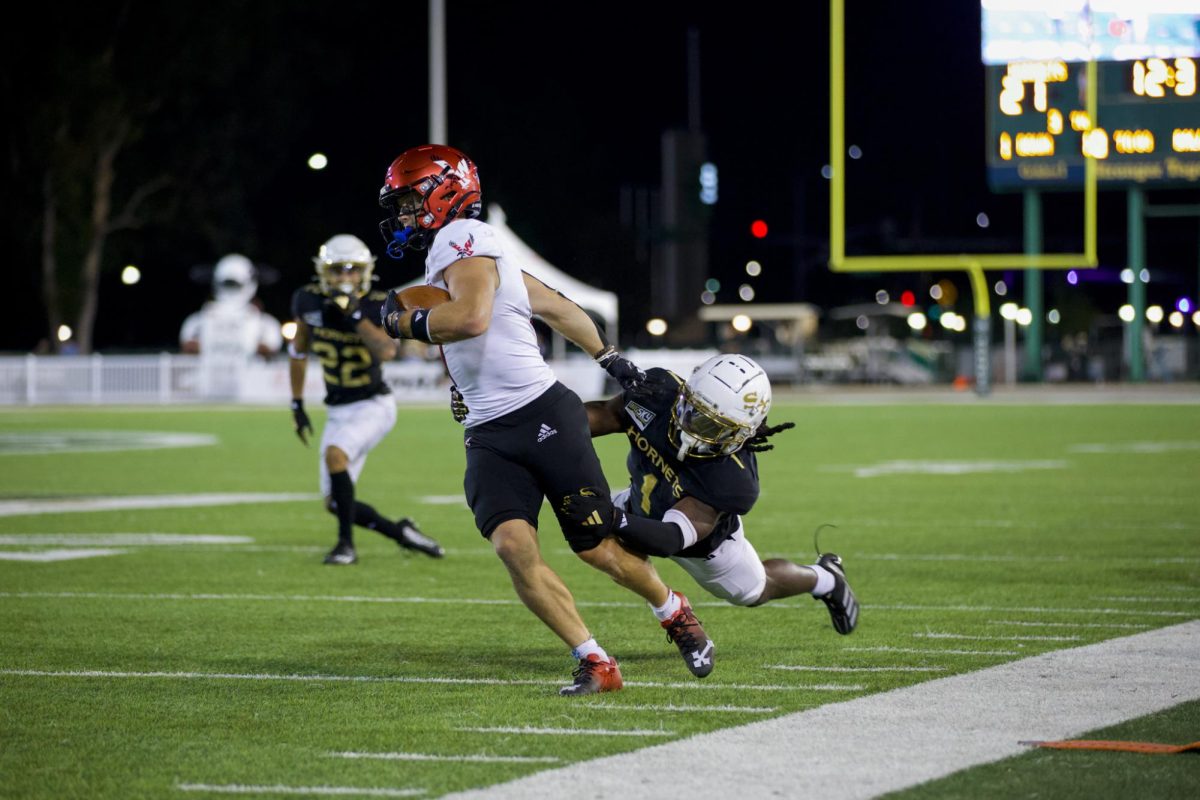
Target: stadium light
<point>1154,314</point>
<point>130,275</point>
<point>317,161</point>
<point>1126,313</point>
<point>1009,310</point>
<point>753,269</point>
<point>656,327</point>
<point>64,332</point>
<point>916,321</point>
<point>746,292</point>
<point>1176,319</point>
<point>741,323</point>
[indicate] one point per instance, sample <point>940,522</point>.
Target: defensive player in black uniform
<point>693,474</point>
<point>336,319</point>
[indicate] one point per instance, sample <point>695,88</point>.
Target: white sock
<point>582,651</point>
<point>668,608</point>
<point>824,581</point>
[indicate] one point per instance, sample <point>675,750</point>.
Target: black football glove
<point>758,442</point>
<point>590,511</point>
<point>389,315</point>
<point>458,406</point>
<point>624,371</point>
<point>301,419</point>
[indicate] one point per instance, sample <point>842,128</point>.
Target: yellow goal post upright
<point>973,264</point>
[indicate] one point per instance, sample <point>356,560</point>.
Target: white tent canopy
<point>597,301</point>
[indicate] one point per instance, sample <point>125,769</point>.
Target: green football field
<point>167,628</point>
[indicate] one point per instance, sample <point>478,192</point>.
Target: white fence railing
<point>172,378</point>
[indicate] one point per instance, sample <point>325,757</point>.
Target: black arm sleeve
<point>650,536</point>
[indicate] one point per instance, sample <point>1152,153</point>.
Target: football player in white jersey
<point>526,434</point>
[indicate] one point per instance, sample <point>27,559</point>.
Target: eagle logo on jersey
<point>641,416</point>
<point>467,249</point>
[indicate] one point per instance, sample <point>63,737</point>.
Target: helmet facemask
<point>344,267</point>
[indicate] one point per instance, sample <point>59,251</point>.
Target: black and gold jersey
<point>659,480</point>
<point>351,372</point>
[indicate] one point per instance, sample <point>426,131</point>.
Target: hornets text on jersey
<point>351,372</point>
<point>658,480</point>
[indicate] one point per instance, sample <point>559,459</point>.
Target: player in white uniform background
<point>230,330</point>
<point>527,435</point>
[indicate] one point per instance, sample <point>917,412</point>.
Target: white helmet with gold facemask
<point>720,406</point>
<point>344,266</point>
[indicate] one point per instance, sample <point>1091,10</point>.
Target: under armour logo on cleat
<point>545,432</point>
<point>702,658</point>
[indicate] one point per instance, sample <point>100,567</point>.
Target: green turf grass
<point>1068,544</point>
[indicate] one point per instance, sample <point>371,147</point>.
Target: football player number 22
<point>648,484</point>
<point>346,367</point>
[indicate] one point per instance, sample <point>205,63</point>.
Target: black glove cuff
<point>297,404</point>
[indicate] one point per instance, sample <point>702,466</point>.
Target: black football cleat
<point>342,555</point>
<point>413,539</point>
<point>842,605</point>
<point>685,632</point>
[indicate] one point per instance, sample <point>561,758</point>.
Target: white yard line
<point>1137,599</point>
<point>1027,624</point>
<point>568,731</point>
<point>673,709</point>
<point>472,601</point>
<point>61,554</point>
<point>804,668</point>
<point>963,636</point>
<point>474,759</point>
<point>235,676</point>
<point>342,791</point>
<point>14,508</point>
<point>931,652</point>
<point>913,734</point>
<point>119,539</point>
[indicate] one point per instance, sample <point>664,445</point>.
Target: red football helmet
<point>433,184</point>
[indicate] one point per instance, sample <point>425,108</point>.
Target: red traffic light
<point>758,229</point>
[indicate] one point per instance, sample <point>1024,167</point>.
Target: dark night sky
<point>560,114</point>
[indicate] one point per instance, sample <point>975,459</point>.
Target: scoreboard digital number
<point>1147,129</point>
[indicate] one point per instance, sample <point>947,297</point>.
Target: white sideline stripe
<point>927,652</point>
<point>582,604</point>
<point>481,759</point>
<point>238,788</point>
<point>57,555</point>
<point>568,731</point>
<point>120,539</point>
<point>686,709</point>
<point>998,638</point>
<point>13,508</point>
<point>913,735</point>
<point>804,668</point>
<point>233,676</point>
<point>1135,625</point>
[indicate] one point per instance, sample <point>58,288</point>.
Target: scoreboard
<point>1147,129</point>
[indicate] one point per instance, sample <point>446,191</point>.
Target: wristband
<point>297,404</point>
<point>419,325</point>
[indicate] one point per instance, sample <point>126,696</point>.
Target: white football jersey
<point>502,369</point>
<point>231,331</point>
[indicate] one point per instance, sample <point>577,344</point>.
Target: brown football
<point>424,296</point>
